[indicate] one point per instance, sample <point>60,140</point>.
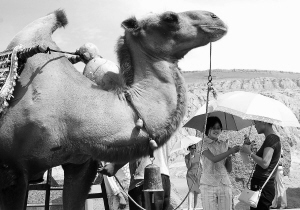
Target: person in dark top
<point>266,159</point>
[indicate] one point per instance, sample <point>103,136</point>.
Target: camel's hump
<point>61,18</point>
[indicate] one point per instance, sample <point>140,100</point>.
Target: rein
<point>209,88</point>
<point>141,124</point>
<point>49,50</point>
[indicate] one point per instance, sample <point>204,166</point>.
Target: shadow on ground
<point>293,196</point>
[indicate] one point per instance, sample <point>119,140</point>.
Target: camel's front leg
<point>13,197</point>
<point>77,182</point>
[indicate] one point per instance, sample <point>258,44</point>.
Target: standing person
<point>279,200</point>
<point>266,159</point>
<point>137,167</point>
<point>192,161</point>
<point>215,186</point>
<point>116,199</point>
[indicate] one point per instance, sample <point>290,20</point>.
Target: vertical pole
<point>149,200</point>
<point>104,196</point>
<point>154,200</point>
<point>48,188</point>
<point>26,198</point>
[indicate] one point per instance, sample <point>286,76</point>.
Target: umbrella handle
<point>245,136</point>
<point>231,154</point>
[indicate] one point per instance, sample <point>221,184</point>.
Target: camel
<point>60,117</point>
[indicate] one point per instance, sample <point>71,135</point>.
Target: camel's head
<point>172,35</point>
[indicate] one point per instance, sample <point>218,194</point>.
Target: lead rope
<point>129,197</point>
<point>209,88</point>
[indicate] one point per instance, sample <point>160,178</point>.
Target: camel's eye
<point>213,15</point>
<point>170,17</point>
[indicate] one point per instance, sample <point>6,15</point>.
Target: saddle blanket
<point>8,75</point>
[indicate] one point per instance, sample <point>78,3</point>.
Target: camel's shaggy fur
<point>124,57</point>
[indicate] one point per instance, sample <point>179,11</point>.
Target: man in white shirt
<point>137,177</point>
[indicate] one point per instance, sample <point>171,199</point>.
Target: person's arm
<point>263,162</point>
<point>216,158</point>
<point>188,161</point>
<point>111,169</point>
<point>122,200</point>
<point>113,185</point>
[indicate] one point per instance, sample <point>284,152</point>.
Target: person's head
<point>192,148</point>
<point>88,52</point>
<point>262,127</point>
<point>213,127</point>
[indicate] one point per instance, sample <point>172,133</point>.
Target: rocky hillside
<point>282,86</point>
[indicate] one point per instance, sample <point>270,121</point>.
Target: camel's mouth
<point>214,32</point>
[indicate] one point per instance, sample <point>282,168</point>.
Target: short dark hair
<point>189,147</point>
<point>211,121</point>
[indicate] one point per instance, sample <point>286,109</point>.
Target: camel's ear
<point>131,25</point>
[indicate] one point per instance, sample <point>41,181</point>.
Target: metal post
<point>104,196</point>
<point>48,188</point>
<point>154,200</point>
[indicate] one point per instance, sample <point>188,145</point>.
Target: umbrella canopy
<point>229,121</point>
<point>255,106</point>
<point>184,143</point>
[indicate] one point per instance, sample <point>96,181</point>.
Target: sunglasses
<point>193,148</point>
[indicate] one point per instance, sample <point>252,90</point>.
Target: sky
<point>262,34</point>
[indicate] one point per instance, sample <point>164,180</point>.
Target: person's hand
<point>246,149</point>
<point>253,146</point>
<point>234,149</point>
<point>108,169</point>
<point>247,140</point>
<point>122,201</point>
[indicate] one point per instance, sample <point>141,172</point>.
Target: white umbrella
<point>229,121</point>
<point>184,143</point>
<point>255,106</point>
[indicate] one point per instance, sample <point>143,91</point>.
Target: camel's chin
<point>215,37</point>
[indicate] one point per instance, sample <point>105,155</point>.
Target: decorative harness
<point>9,72</point>
<point>11,66</point>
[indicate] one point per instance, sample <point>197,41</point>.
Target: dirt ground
<point>291,182</point>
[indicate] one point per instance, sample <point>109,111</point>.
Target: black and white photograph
<point>149,104</point>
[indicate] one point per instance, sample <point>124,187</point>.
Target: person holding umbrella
<point>192,161</point>
<point>266,159</point>
<point>244,107</point>
<point>215,185</point>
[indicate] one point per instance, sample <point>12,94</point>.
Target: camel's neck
<point>161,106</point>
<point>157,93</point>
